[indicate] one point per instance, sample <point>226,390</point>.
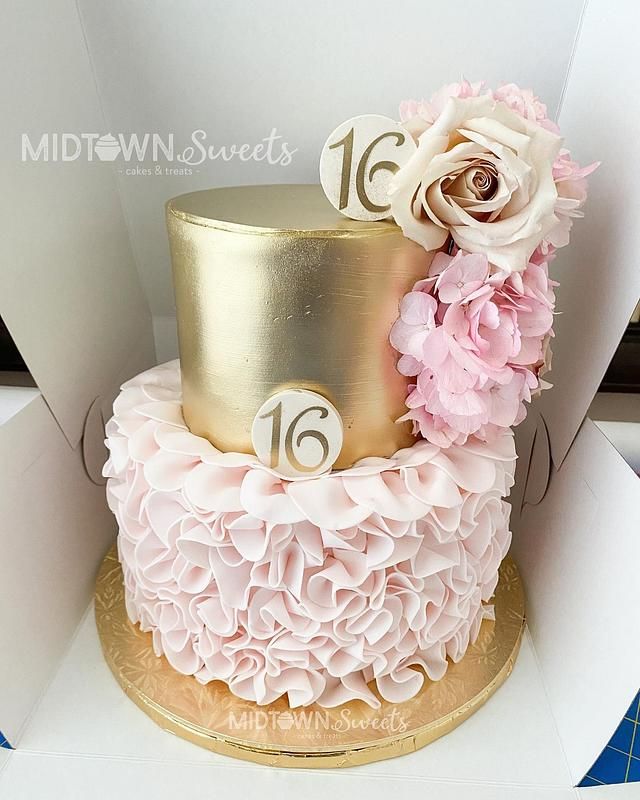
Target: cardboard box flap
<point>578,552</point>
<point>598,272</point>
<point>69,291</point>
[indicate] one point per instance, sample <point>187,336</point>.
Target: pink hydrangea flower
<point>475,340</point>
<point>417,320</point>
<point>525,103</point>
<point>571,184</point>
<point>463,279</point>
<point>418,115</point>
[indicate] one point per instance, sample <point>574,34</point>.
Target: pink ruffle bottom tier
<point>313,588</point>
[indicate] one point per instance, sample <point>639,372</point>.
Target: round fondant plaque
<point>297,433</point>
<point>359,160</point>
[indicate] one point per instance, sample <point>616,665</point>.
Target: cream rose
<point>484,175</point>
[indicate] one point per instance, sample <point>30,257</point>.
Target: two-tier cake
<point>311,503</point>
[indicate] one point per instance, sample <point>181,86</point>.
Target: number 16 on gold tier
<point>297,433</point>
<point>358,161</point>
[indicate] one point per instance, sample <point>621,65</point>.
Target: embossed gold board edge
<point>490,660</point>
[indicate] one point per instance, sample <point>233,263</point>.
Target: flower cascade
<point>492,190</point>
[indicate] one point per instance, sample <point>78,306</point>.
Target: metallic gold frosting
<point>275,289</point>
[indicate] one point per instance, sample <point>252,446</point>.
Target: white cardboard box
<point>71,297</point>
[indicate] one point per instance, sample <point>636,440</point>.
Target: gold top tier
<point>275,289</point>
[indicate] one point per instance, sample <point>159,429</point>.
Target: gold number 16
<point>347,163</point>
<point>276,433</point>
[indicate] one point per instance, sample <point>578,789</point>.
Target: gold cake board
<point>350,735</point>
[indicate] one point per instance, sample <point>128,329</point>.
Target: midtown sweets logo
<point>317,721</point>
<point>132,150</point>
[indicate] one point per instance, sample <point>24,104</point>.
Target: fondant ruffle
<point>313,588</point>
